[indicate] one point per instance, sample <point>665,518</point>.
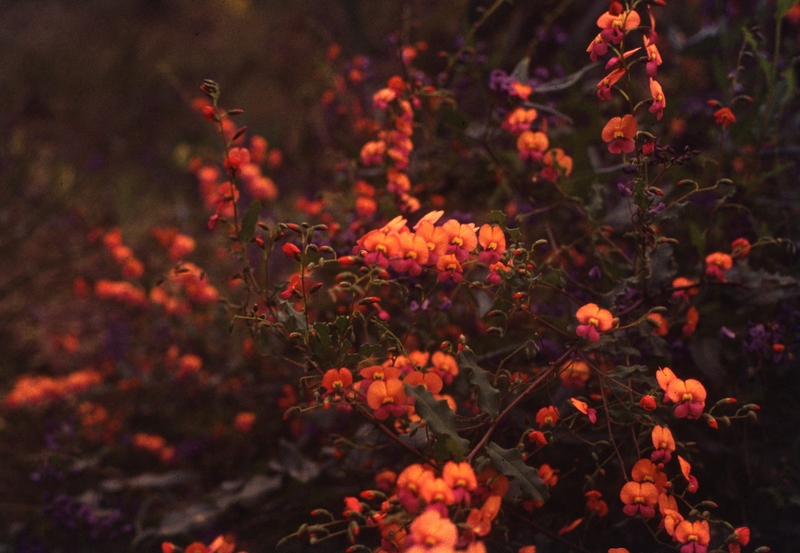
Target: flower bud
<point>648,403</point>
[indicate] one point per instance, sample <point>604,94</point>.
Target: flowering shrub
<point>498,329</point>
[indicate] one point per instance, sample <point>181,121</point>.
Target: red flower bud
<point>290,250</point>
<point>648,403</point>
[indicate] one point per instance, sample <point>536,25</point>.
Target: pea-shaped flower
<point>593,321</point>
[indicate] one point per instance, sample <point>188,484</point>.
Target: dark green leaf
<point>624,372</point>
<point>497,217</point>
<point>436,414</point>
<point>781,7</point>
<point>249,222</point>
<point>446,448</point>
<point>510,463</point>
<point>488,396</point>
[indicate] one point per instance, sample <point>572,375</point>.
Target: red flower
<point>724,117</point>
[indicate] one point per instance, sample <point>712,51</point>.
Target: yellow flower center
<point>592,320</point>
<point>686,397</point>
<point>492,246</point>
<point>380,248</point>
<point>457,241</point>
<point>411,255</point>
<point>638,500</point>
<point>388,399</point>
<point>692,537</point>
<point>451,267</point>
<point>618,134</point>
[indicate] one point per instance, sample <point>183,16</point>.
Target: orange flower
<point>412,253</point>
<point>445,365</point>
<point>196,547</point>
<point>449,268</point>
<point>741,537</point>
<point>686,470</point>
<point>435,239</point>
<point>244,421</point>
<point>437,490</point>
<point>598,47</point>
<point>461,479</point>
<point>382,98</point>
<point>547,416</point>
<point>522,91</point>
<point>653,56</point>
<point>724,117</point>
<point>594,503</point>
<point>604,86</point>
<point>536,437</point>
<point>659,101</point>
<point>519,120</point>
<point>557,164</point>
<point>694,535</point>
<point>461,239</point>
<point>614,26</point>
<point>432,381</point>
<point>583,407</point>
<point>685,288</point>
<point>692,318</point>
<point>409,485</point>
<point>574,374</point>
<point>690,395</point>
<point>480,520</point>
<point>378,247</point>
<point>717,263</point>
<point>668,507</point>
<point>664,377</point>
<point>639,497</point>
<point>593,321</point>
<point>493,241</point>
<point>740,248</point>
<point>431,532</point>
<point>620,133</point>
<point>662,328</point>
<point>387,397</point>
<point>664,444</point>
<point>372,152</point>
<point>335,381</point>
<point>646,471</point>
<point>377,372</point>
<point>531,145</point>
<point>548,475</point>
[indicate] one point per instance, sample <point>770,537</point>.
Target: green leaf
<point>497,217</point>
<point>437,415</point>
<point>781,7</point>
<point>321,343</point>
<point>765,65</point>
<point>488,396</point>
<point>624,372</point>
<point>341,324</point>
<point>446,448</point>
<point>291,315</point>
<point>249,222</point>
<point>510,463</point>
